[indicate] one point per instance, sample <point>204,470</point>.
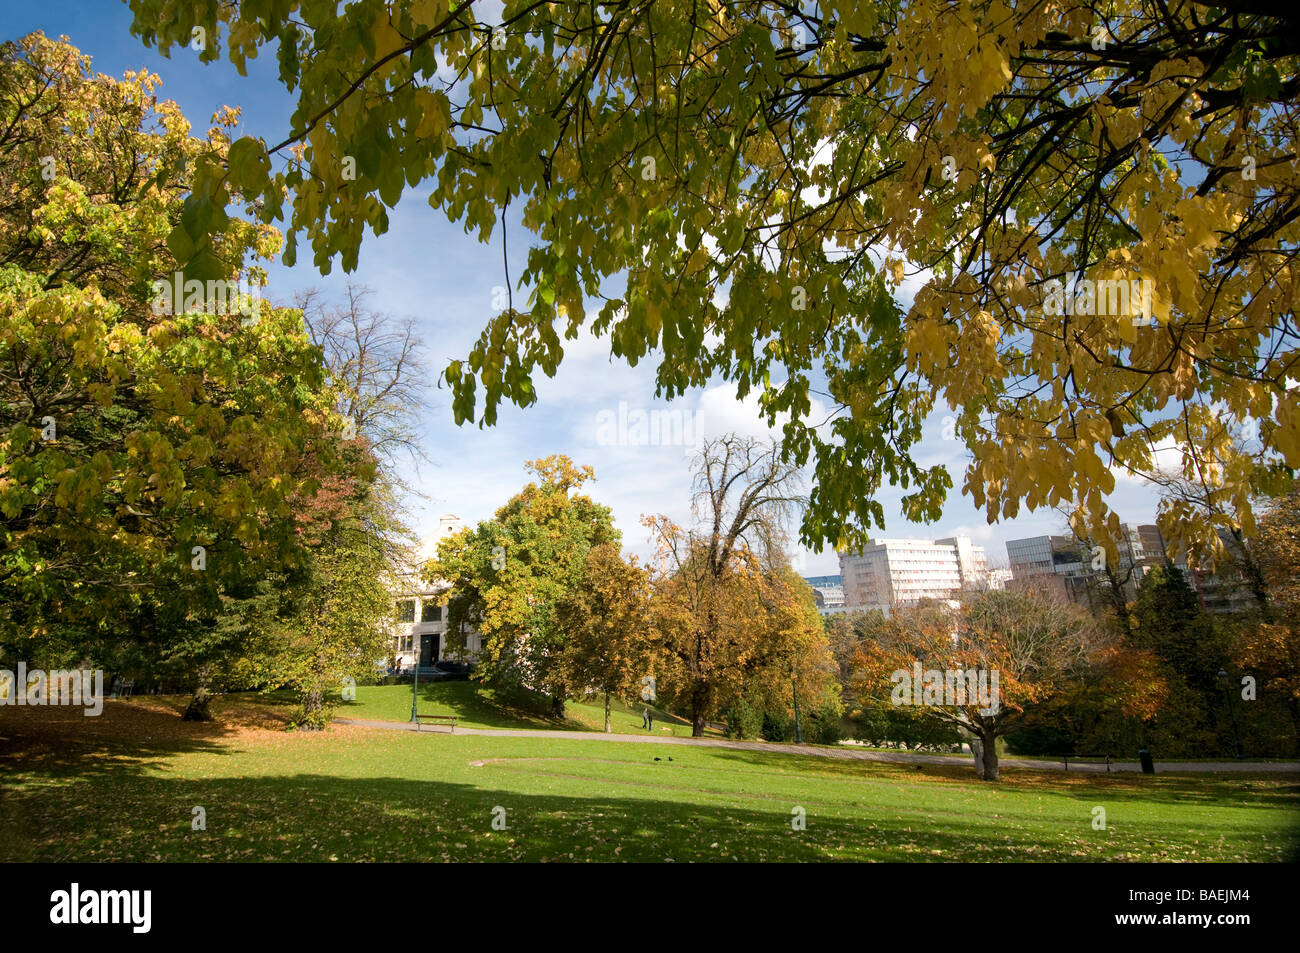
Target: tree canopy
<point>1094,205</point>
<point>509,576</point>
<point>146,454</point>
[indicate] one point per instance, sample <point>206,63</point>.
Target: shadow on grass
<point>126,737</point>
<point>313,817</point>
<point>1254,791</point>
<point>98,795</point>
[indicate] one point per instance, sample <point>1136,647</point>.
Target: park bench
<point>437,720</point>
<point>1086,759</point>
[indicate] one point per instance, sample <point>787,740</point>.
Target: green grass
<point>123,787</point>
<point>477,706</point>
<point>625,718</point>
<point>474,705</point>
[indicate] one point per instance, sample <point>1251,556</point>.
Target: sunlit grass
<point>124,789</point>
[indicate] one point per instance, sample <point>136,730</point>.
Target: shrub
<point>885,725</point>
<point>824,726</point>
<point>744,721</point>
<point>778,726</point>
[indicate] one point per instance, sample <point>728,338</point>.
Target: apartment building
<point>1070,568</point>
<point>828,592</point>
<point>894,572</point>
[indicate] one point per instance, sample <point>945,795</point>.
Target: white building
<point>828,591</point>
<point>420,619</point>
<point>1074,569</point>
<point>894,572</point>
<point>998,578</point>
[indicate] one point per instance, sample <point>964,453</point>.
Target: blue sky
<point>427,269</point>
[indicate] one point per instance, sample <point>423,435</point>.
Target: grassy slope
<point>122,787</point>
<point>479,707</point>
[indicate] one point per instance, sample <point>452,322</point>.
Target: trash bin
<point>1148,766</point>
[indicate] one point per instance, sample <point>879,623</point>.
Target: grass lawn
<point>479,707</point>
<point>122,787</point>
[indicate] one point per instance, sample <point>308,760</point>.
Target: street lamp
<point>794,689</point>
<point>1232,711</point>
<point>415,682</point>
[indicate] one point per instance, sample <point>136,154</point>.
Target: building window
<point>430,612</point>
<point>406,610</point>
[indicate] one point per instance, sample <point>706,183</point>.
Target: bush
<point>744,721</point>
<point>883,725</point>
<point>823,726</point>
<point>1041,740</point>
<point>778,726</point>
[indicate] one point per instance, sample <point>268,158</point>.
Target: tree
<point>743,494</point>
<point>149,449</point>
<point>1201,490</point>
<point>376,364</point>
<point>509,575</point>
<point>1270,649</point>
<point>605,621</point>
<point>751,634</point>
<point>1035,646</point>
<point>1037,166</point>
<point>336,630</point>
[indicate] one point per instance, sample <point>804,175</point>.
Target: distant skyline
<point>427,269</point>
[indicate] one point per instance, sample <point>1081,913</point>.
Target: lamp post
<point>1232,711</point>
<point>794,690</point>
<point>415,682</point>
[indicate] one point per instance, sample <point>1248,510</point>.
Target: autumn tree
<point>605,619</point>
<point>509,575</point>
<point>743,493</point>
<point>150,444</point>
<point>335,627</point>
<point>1270,650</point>
<point>1035,645</point>
<point>1201,489</point>
<point>1094,205</point>
<point>751,632</point>
<point>378,370</point>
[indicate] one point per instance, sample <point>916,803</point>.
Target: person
<point>645,717</point>
<point>650,718</point>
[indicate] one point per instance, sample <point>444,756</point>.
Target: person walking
<point>645,718</point>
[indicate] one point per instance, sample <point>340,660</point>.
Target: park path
<point>844,752</point>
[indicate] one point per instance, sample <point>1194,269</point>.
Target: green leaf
<point>181,245</point>
<point>196,216</point>
<point>247,162</point>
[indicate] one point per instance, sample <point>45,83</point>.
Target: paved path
<point>845,752</point>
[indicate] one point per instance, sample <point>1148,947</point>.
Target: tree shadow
<point>110,795</point>
<point>313,817</point>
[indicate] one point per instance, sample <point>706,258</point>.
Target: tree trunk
<point>697,724</point>
<point>557,707</point>
<point>989,741</point>
<point>313,709</point>
<point>197,710</point>
<point>699,710</point>
<point>607,729</point>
